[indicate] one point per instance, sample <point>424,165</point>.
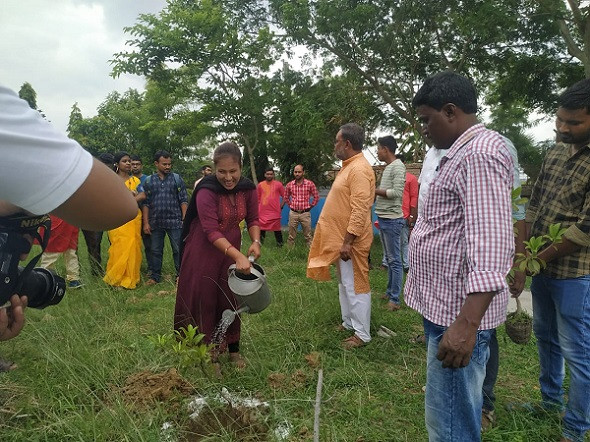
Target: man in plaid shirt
<point>301,196</point>
<point>561,292</point>
<point>461,250</point>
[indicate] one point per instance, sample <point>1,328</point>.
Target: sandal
<point>392,306</point>
<point>353,342</point>
<point>488,419</point>
<point>418,339</point>
<point>7,365</point>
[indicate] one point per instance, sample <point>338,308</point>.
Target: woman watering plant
<point>211,243</point>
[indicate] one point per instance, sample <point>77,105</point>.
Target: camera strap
<point>18,226</point>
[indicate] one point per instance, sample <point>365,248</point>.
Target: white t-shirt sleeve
<point>40,166</point>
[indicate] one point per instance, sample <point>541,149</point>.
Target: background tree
<point>141,123</point>
<point>306,116</point>
<point>27,93</point>
<point>222,60</point>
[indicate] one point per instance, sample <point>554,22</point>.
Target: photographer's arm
<point>102,202</point>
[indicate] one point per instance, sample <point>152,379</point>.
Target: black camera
<point>41,286</point>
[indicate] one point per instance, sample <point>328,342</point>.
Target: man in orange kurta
<point>344,235</point>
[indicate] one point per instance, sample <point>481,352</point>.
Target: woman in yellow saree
<point>125,250</point>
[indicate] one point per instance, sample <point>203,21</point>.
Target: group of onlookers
<point>162,201</point>
<point>461,250</point>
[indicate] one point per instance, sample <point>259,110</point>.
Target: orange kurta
<point>347,209</point>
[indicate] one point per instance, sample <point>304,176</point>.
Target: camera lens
<point>43,288</point>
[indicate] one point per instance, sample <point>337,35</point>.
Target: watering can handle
<point>232,268</point>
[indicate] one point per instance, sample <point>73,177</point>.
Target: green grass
<point>74,359</point>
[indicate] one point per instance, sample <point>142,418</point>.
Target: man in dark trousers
<point>163,212</point>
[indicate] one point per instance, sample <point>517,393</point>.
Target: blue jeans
<point>561,321</point>
<point>390,231</point>
<point>491,373</point>
<point>157,244</point>
<point>403,244</point>
<point>454,395</point>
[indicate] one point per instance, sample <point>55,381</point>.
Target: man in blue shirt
<point>163,212</point>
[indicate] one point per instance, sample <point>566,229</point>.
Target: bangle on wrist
<point>258,241</point>
<point>227,248</point>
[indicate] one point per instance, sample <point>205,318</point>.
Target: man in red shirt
<point>301,196</point>
<point>410,211</point>
<point>270,192</point>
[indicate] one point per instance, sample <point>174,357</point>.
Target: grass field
<point>78,362</point>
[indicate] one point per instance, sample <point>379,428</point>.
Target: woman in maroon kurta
<point>211,243</point>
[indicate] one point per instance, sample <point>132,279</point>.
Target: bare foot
<point>237,360</point>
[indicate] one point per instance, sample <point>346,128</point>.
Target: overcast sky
<point>63,48</point>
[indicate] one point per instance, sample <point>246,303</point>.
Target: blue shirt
<point>164,200</point>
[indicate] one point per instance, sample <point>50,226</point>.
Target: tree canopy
<point>222,69</point>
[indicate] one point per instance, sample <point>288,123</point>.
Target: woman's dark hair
<point>119,156</point>
<point>227,149</point>
<point>577,96</point>
<point>447,87</point>
<point>388,142</point>
<point>354,133</point>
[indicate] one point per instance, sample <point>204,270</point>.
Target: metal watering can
<point>252,292</point>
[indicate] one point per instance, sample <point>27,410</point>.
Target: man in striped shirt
<point>301,196</point>
<point>460,252</point>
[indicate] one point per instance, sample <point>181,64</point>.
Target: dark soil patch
<point>243,423</point>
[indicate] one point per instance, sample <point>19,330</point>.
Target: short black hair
<point>135,158</point>
<point>388,142</point>
<point>269,169</point>
<point>161,154</point>
<point>205,167</point>
<point>577,96</point>
<point>355,134</point>
<point>447,87</point>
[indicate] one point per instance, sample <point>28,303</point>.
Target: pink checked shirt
<point>463,241</point>
<point>298,195</point>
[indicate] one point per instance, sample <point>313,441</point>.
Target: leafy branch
<point>530,262</point>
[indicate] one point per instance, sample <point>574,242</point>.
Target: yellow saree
<point>125,250</point>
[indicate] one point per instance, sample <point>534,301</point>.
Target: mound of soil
<point>146,387</point>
